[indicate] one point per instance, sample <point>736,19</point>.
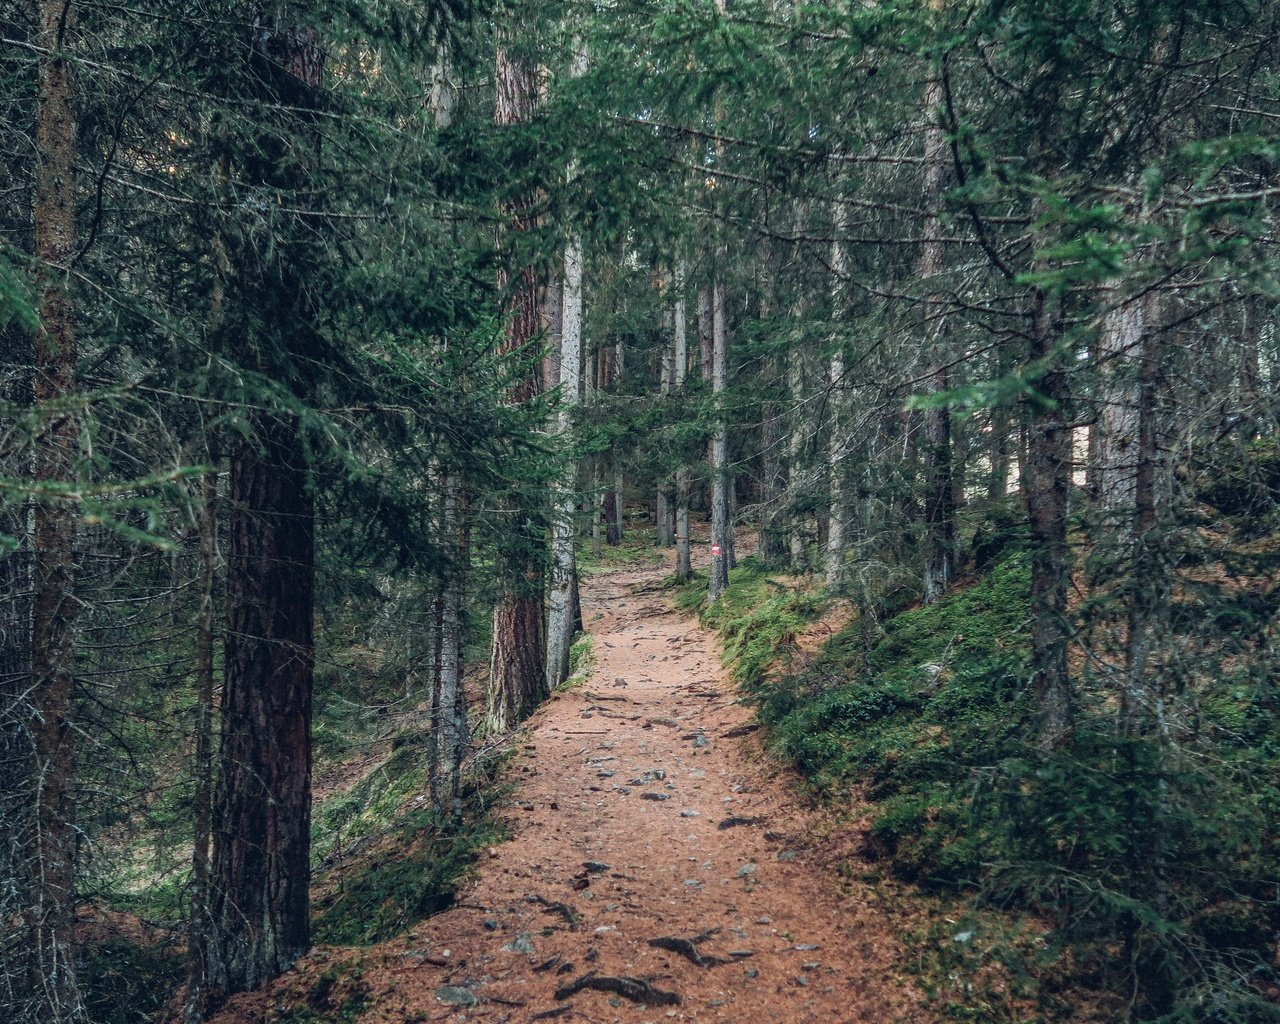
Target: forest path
<point>645,810</point>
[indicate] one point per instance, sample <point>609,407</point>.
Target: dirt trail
<point>644,814</point>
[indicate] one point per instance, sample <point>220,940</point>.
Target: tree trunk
<point>998,438</point>
<point>1113,445</point>
<point>797,538</point>
<point>448,743</point>
<point>517,658</point>
<point>837,437</point>
<point>563,594</point>
<point>262,814</point>
<point>1048,471</point>
<point>51,987</point>
<point>260,870</point>
<point>939,496</point>
<point>680,345</point>
<point>199,930</point>
<point>720,477</point>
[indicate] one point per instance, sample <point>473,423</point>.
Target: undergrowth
<point>759,617</point>
<point>406,870</point>
<point>1148,867</point>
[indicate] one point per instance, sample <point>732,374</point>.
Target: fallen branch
<point>559,1011</point>
<point>735,820</point>
<point>636,989</point>
<point>742,730</point>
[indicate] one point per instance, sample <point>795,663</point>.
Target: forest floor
<point>660,867</point>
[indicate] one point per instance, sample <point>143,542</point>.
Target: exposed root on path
<point>688,948</point>
<point>636,989</point>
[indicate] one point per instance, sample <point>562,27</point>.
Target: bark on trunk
<point>939,497</point>
<point>448,742</point>
<point>680,343</point>
<point>562,614</point>
<point>1113,445</point>
<point>798,538</point>
<point>52,989</point>
<point>720,476</point>
<point>1048,470</point>
<point>199,929</point>
<point>261,871</point>
<point>837,436</point>
<point>517,657</point>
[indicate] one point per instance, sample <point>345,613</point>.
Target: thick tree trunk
<point>259,878</point>
<point>1113,447</point>
<point>53,996</point>
<point>1048,472</point>
<point>262,814</point>
<point>517,657</point>
<point>562,613</point>
<point>721,480</point>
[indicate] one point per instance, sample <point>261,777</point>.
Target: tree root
<point>636,989</point>
<point>734,820</point>
<point>563,909</point>
<point>688,948</point>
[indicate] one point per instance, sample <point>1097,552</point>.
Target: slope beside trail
<point>643,810</point>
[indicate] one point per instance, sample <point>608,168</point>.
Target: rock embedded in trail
<point>456,995</point>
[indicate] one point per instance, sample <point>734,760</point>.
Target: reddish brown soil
<point>640,770</point>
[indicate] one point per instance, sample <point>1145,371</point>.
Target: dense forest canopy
<point>334,335</point>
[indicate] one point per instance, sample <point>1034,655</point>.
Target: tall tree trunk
<point>259,882</point>
<point>721,480</point>
<point>797,539</point>
<point>665,517</point>
<point>939,497</point>
<point>54,992</point>
<point>1048,473</point>
<point>837,437</point>
<point>517,657</point>
<point>680,346</point>
<point>261,873</point>
<point>563,593</point>
<point>198,930</point>
<point>448,742</point>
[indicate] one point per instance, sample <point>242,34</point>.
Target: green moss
<point>940,695</point>
<point>374,802</point>
<point>758,617</point>
<point>411,875</point>
<point>635,552</point>
<point>581,661</point>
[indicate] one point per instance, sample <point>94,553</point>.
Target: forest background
<point>331,333</point>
